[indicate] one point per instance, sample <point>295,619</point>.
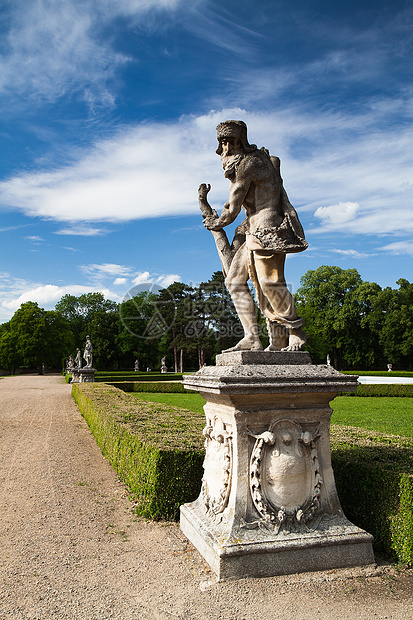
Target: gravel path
<point>71,546</point>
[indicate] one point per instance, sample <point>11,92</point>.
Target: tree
<point>397,331</point>
<point>177,308</point>
<point>34,337</point>
<point>320,300</point>
<point>80,312</point>
<point>140,327</point>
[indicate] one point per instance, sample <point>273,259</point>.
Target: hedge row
<point>377,389</point>
<point>374,478</point>
<point>103,377</point>
<point>379,373</point>
<point>165,387</point>
<point>156,449</point>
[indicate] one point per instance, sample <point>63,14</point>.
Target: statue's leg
<point>236,283</point>
<point>278,336</point>
<point>275,300</point>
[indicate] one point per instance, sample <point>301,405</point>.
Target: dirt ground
<point>71,546</point>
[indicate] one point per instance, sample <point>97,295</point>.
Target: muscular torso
<point>256,187</point>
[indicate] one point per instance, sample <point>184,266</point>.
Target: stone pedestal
<point>268,503</point>
<point>86,374</point>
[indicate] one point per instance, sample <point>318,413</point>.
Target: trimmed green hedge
<point>374,478</point>
<point>156,449</point>
<point>377,389</point>
<point>379,373</point>
<point>166,387</point>
<point>135,376</point>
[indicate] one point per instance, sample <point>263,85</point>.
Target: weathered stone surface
<point>268,503</point>
<point>249,379</point>
<point>279,358</point>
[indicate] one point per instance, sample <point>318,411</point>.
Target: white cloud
<point>34,238</point>
<point>54,48</point>
<point>399,247</point>
<point>154,169</point>
<point>163,280</point>
<point>352,253</point>
<point>119,281</point>
<point>141,278</point>
<point>167,280</point>
<point>337,214</point>
<point>46,296</point>
<point>98,272</point>
<point>82,231</point>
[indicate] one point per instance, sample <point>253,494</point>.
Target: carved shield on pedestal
<point>216,482</point>
<point>285,480</point>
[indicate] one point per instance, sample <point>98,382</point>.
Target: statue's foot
<point>278,344</point>
<point>246,344</point>
<point>296,340</point>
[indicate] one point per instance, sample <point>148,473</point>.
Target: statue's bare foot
<point>246,344</point>
<point>296,341</point>
<point>278,344</point>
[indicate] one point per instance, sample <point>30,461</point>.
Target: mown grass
<point>384,415</point>
<point>193,402</point>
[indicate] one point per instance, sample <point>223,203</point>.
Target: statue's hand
<point>212,221</point>
<point>203,190</point>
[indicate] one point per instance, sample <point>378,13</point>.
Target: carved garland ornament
<point>298,447</point>
<point>216,482</point>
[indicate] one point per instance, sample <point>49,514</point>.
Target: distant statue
<point>389,367</point>
<point>328,360</point>
<point>78,359</point>
<point>163,365</point>
<point>136,365</point>
<point>70,362</point>
<point>87,353</point>
<point>270,230</point>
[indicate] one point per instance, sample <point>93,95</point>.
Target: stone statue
<point>78,359</point>
<point>270,230</point>
<point>164,368</point>
<point>70,362</point>
<point>87,353</point>
<point>136,365</point>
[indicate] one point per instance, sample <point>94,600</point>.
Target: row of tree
<point>358,324</point>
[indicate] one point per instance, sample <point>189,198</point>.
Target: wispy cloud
<point>55,48</point>
<point>82,231</point>
<point>337,215</point>
<point>351,253</point>
<point>342,182</point>
<point>399,247</point>
<point>47,295</point>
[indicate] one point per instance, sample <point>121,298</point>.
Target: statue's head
<point>234,130</point>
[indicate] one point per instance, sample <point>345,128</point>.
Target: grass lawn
<point>193,402</point>
<point>386,415</point>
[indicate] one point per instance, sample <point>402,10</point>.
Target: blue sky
<point>107,127</point>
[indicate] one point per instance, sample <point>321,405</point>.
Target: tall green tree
<point>320,301</point>
<point>141,326</point>
<point>80,312</point>
<point>397,330</point>
<point>34,337</point>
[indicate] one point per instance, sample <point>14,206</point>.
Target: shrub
<point>156,449</point>
<point>374,478</point>
<point>166,387</point>
<point>376,389</point>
